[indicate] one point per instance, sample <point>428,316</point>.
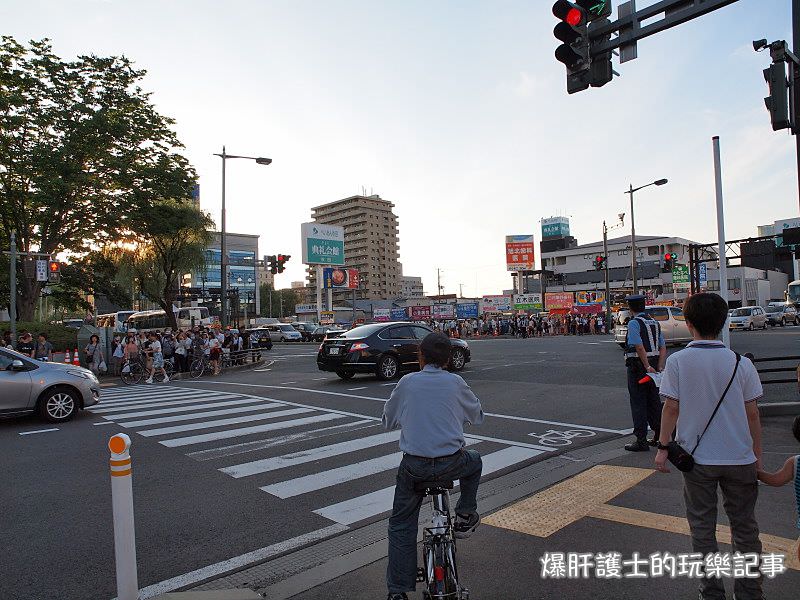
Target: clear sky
<point>455,110</point>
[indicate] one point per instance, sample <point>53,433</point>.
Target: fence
<point>785,369</point>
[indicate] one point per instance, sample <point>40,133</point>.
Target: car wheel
<point>283,339</point>
<point>457,360</point>
<point>58,405</point>
<point>345,375</point>
<point>750,327</point>
<point>387,367</point>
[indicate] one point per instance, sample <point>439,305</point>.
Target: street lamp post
<point>223,262</point>
<point>630,191</point>
<point>606,229</point>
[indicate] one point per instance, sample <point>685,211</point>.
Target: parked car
<point>781,314</point>
<point>749,318</point>
<point>73,323</point>
<point>326,331</point>
<point>306,330</point>
<point>385,349</point>
<point>283,332</point>
<point>671,319</point>
<point>264,339</point>
<point>55,391</point>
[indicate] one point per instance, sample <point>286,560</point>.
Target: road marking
<point>288,382</point>
<point>356,389</point>
<point>550,510</point>
<point>237,562</point>
<point>174,409</point>
<point>222,422</point>
<point>140,391</point>
<point>305,456</point>
<point>123,406</point>
<point>245,447</point>
<point>261,370</point>
<point>388,384</point>
<point>104,423</point>
<point>189,394</point>
<point>590,343</point>
<point>380,501</point>
<point>199,415</point>
<point>232,433</point>
<point>319,379</point>
<point>38,431</point>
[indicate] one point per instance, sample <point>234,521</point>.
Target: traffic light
<point>778,100</point>
<point>599,262</point>
<point>670,260</point>
<point>573,32</point>
<point>271,263</point>
<point>53,271</point>
<point>282,259</point>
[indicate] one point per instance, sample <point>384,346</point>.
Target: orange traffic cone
<point>75,359</point>
<point>66,357</point>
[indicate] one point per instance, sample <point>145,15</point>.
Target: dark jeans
<point>739,486</point>
<point>401,574</point>
<point>645,401</point>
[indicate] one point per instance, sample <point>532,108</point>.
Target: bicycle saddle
<point>431,486</point>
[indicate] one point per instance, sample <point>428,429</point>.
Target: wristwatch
<point>661,446</point>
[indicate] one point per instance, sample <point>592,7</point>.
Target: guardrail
<point>789,369</point>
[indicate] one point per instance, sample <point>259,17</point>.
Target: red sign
<point>420,313</point>
<point>519,253</point>
<point>558,300</point>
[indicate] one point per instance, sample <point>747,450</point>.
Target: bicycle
<point>200,366</point>
<point>440,573</point>
<point>132,372</point>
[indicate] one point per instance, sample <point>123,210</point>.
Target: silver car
<point>670,318</point>
<point>54,391</point>
<point>748,318</point>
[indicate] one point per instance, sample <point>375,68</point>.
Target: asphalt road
<point>270,459</point>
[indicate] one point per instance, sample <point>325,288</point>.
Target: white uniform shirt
<point>696,378</point>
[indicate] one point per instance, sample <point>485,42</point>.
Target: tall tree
<point>281,299</point>
<point>172,237</point>
<point>81,148</point>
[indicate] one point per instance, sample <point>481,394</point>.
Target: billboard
<point>420,313</point>
<point>586,298</point>
<point>443,311</point>
<point>492,304</point>
<point>399,314</point>
<point>327,317</point>
<point>467,310</point>
<point>322,244</point>
<point>527,301</point>
<point>381,314</point>
<point>555,227</point>
<point>785,224</point>
<point>558,300</point>
<point>340,278</point>
<point>519,253</point>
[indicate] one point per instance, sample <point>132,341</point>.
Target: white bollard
<point>122,503</point>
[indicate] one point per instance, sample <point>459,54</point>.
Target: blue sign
<point>399,314</point>
<point>467,311</point>
<point>555,227</point>
<point>703,275</point>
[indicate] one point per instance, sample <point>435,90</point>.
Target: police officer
<point>645,352</point>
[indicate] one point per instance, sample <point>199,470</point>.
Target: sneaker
<point>637,446</point>
<point>465,525</point>
<point>653,442</point>
<point>166,379</point>
<point>149,380</point>
<point>397,596</point>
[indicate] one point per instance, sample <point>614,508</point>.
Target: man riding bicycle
<point>430,407</point>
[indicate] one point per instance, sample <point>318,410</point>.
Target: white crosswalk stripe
<point>285,464</point>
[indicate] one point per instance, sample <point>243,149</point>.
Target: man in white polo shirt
<point>727,454</point>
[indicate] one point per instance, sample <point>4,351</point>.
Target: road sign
<point>467,310</point>
<point>495,304</point>
<point>703,276</point>
<point>41,270</point>
<point>519,253</point>
<point>680,274</point>
<point>322,244</point>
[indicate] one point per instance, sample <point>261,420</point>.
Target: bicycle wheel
<point>169,368</point>
<point>198,368</point>
<point>134,374</point>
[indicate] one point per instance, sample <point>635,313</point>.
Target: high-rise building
<point>411,287</point>
<point>370,242</point>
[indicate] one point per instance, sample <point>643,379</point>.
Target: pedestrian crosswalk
<point>336,464</point>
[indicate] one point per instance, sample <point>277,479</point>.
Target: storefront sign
<point>467,310</point>
<point>420,313</point>
<point>558,300</point>
<point>519,253</point>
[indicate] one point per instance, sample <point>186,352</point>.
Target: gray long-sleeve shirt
<point>431,407</point>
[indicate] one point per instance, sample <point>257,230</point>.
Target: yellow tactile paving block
<point>639,518</point>
<point>569,501</point>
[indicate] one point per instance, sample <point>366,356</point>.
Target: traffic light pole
<point>796,94</point>
<point>633,245</point>
<point>607,278</point>
<point>223,283</point>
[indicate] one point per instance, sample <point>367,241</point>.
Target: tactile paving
<point>550,510</point>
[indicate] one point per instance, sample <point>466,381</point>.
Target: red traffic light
<point>280,258</point>
<point>54,266</point>
<point>574,17</point>
<point>568,12</point>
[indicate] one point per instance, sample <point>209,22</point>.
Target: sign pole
<point>319,293</point>
<point>606,277</point>
<point>723,261</point>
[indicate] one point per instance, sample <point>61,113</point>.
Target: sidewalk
<point>620,506</point>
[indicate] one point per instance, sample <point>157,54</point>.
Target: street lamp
<point>606,229</point>
<point>223,266</point>
<point>630,191</point>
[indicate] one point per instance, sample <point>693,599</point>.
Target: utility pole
<point>12,306</point>
<point>608,281</point>
<point>723,260</point>
<point>461,290</point>
<point>633,245</point>
<point>438,282</point>
<point>223,275</point>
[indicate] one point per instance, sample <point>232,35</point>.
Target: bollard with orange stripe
<point>122,505</point>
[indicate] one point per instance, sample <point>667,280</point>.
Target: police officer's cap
<point>634,298</point>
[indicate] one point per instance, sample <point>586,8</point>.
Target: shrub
<point>61,337</point>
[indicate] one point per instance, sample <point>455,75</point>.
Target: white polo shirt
<point>696,378</point>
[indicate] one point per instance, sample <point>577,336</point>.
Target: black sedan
<point>326,331</point>
<point>385,349</point>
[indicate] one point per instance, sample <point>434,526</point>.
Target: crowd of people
<point>523,326</point>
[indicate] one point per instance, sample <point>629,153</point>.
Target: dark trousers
<point>739,485</point>
<point>401,573</point>
<point>645,401</point>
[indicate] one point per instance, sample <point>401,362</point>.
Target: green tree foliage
<point>172,237</point>
<point>82,149</point>
<point>289,301</point>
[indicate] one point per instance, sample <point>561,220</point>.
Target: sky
<point>455,110</point>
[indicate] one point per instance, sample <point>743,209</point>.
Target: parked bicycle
<point>440,573</point>
<point>134,371</point>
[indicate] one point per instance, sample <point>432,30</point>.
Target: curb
<point>779,409</point>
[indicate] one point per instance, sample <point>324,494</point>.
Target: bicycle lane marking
<point>384,400</point>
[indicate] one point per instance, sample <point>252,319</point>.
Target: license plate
<point>333,350</point>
